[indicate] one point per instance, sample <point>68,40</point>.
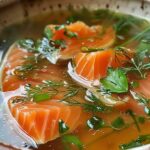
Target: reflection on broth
<point>83,81</point>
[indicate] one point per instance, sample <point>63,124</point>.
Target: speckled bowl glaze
<point>14,11</point>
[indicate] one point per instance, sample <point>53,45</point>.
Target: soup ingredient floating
<point>52,105</point>
<point>41,120</point>
<point>65,41</point>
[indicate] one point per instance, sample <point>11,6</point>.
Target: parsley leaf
<point>116,81</point>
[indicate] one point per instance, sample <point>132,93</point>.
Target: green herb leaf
<point>22,71</point>
<point>71,139</point>
<point>118,123</point>
<point>134,84</point>
<point>62,127</point>
<point>143,49</point>
<point>125,23</point>
<point>136,143</point>
<point>63,26</point>
<point>38,97</point>
<point>48,33</point>
<point>28,44</point>
<point>116,81</point>
<point>139,98</point>
<point>70,34</point>
<point>90,49</point>
<point>71,92</point>
<point>60,43</point>
<point>95,123</point>
<point>141,119</point>
<point>130,112</point>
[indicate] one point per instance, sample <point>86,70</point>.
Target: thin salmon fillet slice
<point>89,36</point>
<point>40,120</point>
<point>93,65</point>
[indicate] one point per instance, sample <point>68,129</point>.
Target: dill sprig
<point>30,64</point>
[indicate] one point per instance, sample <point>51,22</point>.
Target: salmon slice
<point>40,120</point>
<point>93,65</point>
<point>94,36</point>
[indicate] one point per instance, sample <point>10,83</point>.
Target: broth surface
<point>104,138</point>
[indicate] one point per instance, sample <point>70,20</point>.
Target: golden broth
<point>106,138</point>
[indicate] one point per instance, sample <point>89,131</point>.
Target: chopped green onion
<point>62,127</point>
<point>95,123</point>
<point>72,139</point>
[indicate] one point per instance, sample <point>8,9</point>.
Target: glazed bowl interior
<point>13,12</point>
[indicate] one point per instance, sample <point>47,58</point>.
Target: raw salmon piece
<point>40,120</point>
<point>93,36</point>
<point>93,65</point>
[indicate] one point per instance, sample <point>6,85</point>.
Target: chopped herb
<point>63,26</point>
<point>136,143</point>
<point>50,83</point>
<point>71,92</point>
<point>141,119</point>
<point>134,84</point>
<point>91,49</point>
<point>62,127</point>
<point>94,108</point>
<point>118,123</point>
<point>130,112</point>
<point>143,49</point>
<point>71,139</point>
<point>28,44</point>
<point>139,98</point>
<point>40,92</point>
<point>70,34</point>
<point>49,88</point>
<point>125,23</point>
<point>116,81</point>
<point>22,71</point>
<point>48,33</point>
<point>60,43</point>
<point>92,97</point>
<point>38,97</point>
<point>88,107</point>
<point>95,123</point>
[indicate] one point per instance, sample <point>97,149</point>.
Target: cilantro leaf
<point>116,81</point>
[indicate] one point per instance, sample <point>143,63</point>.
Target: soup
<point>79,81</point>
